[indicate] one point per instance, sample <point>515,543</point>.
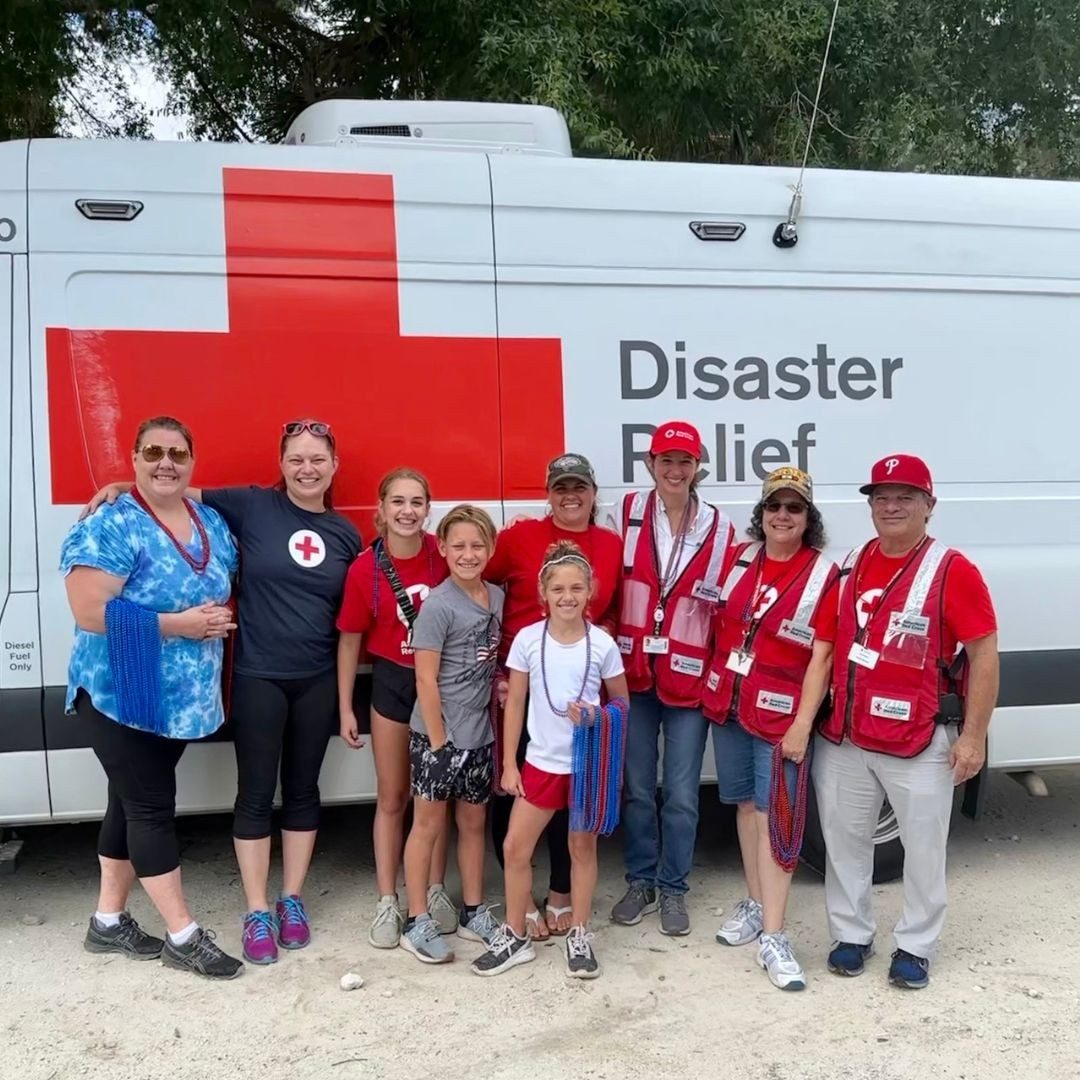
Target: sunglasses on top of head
<point>298,427</point>
<point>774,506</point>
<point>178,455</point>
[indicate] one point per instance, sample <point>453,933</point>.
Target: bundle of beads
<point>787,822</point>
<point>597,767</point>
<point>133,639</point>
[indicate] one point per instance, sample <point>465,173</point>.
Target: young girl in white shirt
<point>556,667</point>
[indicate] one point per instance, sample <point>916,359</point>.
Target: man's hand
<point>966,757</point>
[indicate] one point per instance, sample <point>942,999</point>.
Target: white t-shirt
<point>696,533</point>
<point>551,737</point>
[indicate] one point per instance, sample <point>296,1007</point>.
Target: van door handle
<point>109,209</point>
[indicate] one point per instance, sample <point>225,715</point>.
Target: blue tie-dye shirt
<point>123,540</point>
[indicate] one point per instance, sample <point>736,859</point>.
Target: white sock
<point>435,885</point>
<point>185,935</point>
<point>107,919</point>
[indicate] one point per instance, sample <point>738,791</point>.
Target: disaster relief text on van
<point>451,289</point>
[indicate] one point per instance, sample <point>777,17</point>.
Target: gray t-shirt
<point>467,637</point>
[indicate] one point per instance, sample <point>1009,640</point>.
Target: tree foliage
<point>936,85</point>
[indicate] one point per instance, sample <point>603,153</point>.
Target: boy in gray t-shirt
<point>466,636</point>
<point>455,638</point>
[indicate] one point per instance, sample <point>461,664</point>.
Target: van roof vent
<point>449,125</point>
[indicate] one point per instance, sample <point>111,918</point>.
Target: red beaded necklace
<point>198,565</point>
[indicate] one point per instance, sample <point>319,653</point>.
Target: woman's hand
<point>511,781</point>
<point>109,493</point>
<point>794,744</point>
<point>350,729</point>
<point>502,689</point>
<point>582,713</point>
<point>202,623</point>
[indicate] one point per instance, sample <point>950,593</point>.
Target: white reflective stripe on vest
<point>633,530</point>
<point>848,565</point>
<point>719,550</point>
<point>742,564</point>
<point>924,578</point>
<point>812,592</point>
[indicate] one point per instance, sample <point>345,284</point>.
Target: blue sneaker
<point>908,970</point>
<point>847,958</point>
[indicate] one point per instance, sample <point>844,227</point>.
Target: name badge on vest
<point>796,632</point>
<point>906,622</point>
<point>704,591</point>
<point>713,681</point>
<point>863,656</point>
<point>687,665</point>
<point>890,708</point>
<point>656,646</point>
<point>780,703</point>
<point>740,662</point>
<point>626,644</point>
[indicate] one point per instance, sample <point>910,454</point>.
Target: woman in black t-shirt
<point>294,555</point>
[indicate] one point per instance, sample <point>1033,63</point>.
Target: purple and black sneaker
<point>294,929</point>
<point>258,938</point>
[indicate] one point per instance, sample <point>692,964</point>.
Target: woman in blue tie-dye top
<point>148,579</point>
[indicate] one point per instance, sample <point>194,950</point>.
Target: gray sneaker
<point>425,942</point>
<point>776,956</point>
<point>744,925</point>
<point>505,950</point>
<point>127,937</point>
<point>639,900</point>
<point>442,909</point>
<point>482,927</point>
<point>674,920</point>
<point>581,962</point>
<point>385,929</point>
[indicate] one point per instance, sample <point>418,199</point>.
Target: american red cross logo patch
<point>314,330</point>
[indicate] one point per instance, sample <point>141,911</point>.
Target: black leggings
<point>140,819</point>
<point>280,725</point>
<point>558,830</point>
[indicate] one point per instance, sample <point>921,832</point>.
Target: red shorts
<point>548,791</point>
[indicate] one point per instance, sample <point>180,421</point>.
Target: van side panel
<point>930,315</point>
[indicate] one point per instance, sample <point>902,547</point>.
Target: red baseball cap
<point>903,469</point>
<point>674,436</point>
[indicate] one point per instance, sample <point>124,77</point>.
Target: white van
<point>451,289</point>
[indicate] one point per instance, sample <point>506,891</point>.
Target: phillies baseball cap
<point>676,435</point>
<point>570,465</point>
<point>903,469</point>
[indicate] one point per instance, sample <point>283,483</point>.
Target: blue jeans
<point>660,852</point>
<point>744,766</point>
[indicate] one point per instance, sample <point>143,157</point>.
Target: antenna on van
<point>787,232</point>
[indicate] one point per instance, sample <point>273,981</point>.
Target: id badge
<point>740,662</point>
<point>656,646</point>
<point>799,633</point>
<point>703,591</point>
<point>906,641</point>
<point>863,656</point>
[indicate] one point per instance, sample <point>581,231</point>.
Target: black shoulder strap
<point>386,565</point>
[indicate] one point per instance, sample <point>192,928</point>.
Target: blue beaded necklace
<point>543,669</point>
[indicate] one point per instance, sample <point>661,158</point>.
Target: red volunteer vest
<point>891,708</point>
<point>679,674</point>
<point>765,699</point>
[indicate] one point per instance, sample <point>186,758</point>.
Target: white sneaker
<point>442,909</point>
<point>744,925</point>
<point>776,957</point>
<point>385,932</point>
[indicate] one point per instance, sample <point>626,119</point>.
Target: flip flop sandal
<point>558,912</point>
<point>533,921</point>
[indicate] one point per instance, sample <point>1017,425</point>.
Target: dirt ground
<point>1004,1000</point>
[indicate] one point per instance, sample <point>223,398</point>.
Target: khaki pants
<point>851,785</point>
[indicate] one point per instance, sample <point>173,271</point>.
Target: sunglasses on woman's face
<point>298,427</point>
<point>774,506</point>
<point>177,454</point>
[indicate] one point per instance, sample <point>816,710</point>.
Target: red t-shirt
<point>968,609</point>
<point>519,554</point>
<point>776,575</point>
<point>368,605</point>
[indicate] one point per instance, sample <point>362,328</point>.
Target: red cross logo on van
<point>314,329</point>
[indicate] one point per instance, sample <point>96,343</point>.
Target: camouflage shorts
<point>449,773</point>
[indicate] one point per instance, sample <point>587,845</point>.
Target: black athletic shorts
<point>393,689</point>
